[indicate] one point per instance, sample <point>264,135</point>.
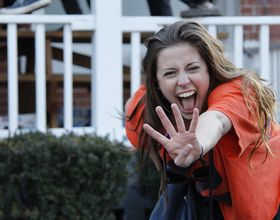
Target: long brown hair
<point>261,102</point>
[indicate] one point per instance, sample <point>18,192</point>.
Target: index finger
<point>155,134</point>
<point>165,122</point>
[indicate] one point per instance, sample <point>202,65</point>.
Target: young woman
<point>197,107</point>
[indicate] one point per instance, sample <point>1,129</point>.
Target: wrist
<point>203,161</point>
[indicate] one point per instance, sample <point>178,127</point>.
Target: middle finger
<point>178,118</point>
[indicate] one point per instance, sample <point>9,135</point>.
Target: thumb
<point>182,159</point>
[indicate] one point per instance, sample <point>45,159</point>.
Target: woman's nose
<point>183,80</point>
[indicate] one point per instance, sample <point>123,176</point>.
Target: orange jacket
<point>242,192</point>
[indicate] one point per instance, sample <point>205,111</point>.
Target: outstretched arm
<point>211,127</point>
<point>185,146</point>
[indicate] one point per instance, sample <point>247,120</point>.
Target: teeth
<point>186,94</point>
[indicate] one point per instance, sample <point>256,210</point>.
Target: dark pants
<point>277,216</point>
<point>163,8</point>
<point>185,203</point>
<point>72,6</point>
<point>195,2</point>
<point>181,198</point>
<point>7,3</point>
<point>160,7</point>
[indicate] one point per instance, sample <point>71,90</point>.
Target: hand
<point>183,146</point>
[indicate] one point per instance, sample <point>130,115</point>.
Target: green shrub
<point>46,177</point>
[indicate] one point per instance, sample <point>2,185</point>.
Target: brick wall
<point>3,100</point>
<point>81,97</point>
<point>3,87</point>
<point>260,8</point>
<point>3,65</point>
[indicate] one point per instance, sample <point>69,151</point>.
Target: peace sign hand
<point>183,146</point>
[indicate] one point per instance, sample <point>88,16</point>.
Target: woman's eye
<point>168,74</point>
<point>193,68</point>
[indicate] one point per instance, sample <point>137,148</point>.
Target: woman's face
<point>183,77</point>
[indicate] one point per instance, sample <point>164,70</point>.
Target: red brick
<point>3,100</point>
<point>253,2</point>
<point>251,28</point>
<point>3,67</point>
<point>275,1</point>
<point>83,103</point>
<point>3,112</point>
<point>3,95</point>
<point>253,36</point>
<point>80,90</point>
<point>274,28</point>
<point>246,11</point>
<point>3,89</point>
<point>276,10</point>
<point>60,90</point>
<point>81,95</point>
<point>274,40</point>
<point>260,10</point>
<point>274,37</point>
<point>267,10</point>
<point>247,28</point>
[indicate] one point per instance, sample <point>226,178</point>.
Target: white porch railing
<point>71,23</point>
<point>107,92</point>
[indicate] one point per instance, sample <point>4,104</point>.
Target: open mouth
<point>187,100</point>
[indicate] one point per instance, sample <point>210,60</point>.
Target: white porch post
<point>40,58</point>
<point>264,53</point>
<point>212,29</point>
<point>12,78</point>
<point>68,77</point>
<point>135,75</point>
<point>238,46</point>
<point>107,95</point>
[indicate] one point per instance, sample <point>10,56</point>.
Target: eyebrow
<point>167,69</point>
<point>192,63</point>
